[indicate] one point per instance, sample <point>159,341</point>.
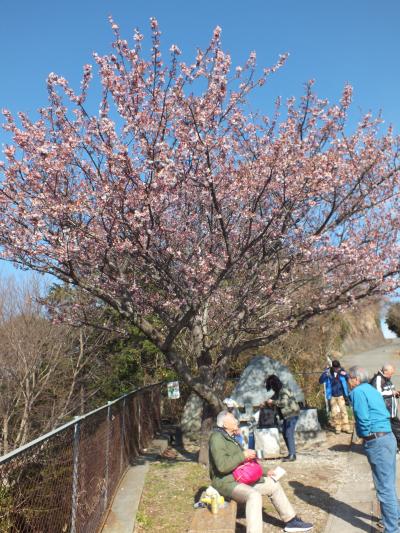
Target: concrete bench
<point>223,522</point>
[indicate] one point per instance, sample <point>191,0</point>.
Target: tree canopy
<point>211,229</point>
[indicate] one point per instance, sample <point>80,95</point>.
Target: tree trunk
<point>5,434</point>
<point>207,424</point>
<point>22,430</point>
<point>217,379</point>
<point>192,415</point>
<point>205,400</point>
<point>82,400</point>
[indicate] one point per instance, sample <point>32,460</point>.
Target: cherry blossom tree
<point>211,229</point>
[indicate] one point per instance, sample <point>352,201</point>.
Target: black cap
<point>336,363</point>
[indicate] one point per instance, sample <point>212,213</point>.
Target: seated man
<point>225,455</point>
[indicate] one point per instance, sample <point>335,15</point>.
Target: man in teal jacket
<point>225,454</point>
<point>373,425</point>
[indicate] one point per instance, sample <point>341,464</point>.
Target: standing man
<point>337,393</point>
<point>382,381</point>
<point>373,425</point>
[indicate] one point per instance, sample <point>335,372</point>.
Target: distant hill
<point>363,328</point>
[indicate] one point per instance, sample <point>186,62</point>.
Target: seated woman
<point>225,454</point>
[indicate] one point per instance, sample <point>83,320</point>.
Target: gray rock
<point>250,392</point>
<point>268,441</point>
<point>308,421</point>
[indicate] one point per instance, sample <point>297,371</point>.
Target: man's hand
<point>249,454</point>
<point>343,373</point>
<point>270,473</point>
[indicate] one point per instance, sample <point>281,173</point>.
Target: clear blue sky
<point>335,42</point>
<point>332,41</point>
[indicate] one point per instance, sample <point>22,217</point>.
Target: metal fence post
<point>75,476</point>
<point>154,423</point>
<point>106,476</point>
<point>139,425</point>
<point>122,435</point>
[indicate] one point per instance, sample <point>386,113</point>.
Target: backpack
<point>268,418</point>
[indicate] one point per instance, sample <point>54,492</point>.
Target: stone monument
<point>250,393</point>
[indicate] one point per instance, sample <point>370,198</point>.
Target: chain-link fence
<point>64,481</point>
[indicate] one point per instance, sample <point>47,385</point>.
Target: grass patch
<point>168,496</point>
<point>143,520</point>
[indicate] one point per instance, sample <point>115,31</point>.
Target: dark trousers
<point>288,428</point>
<point>395,423</point>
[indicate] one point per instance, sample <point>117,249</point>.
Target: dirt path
<point>311,483</point>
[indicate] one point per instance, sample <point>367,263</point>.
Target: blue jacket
<point>369,410</point>
<point>328,379</point>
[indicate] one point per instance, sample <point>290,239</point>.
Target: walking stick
<point>329,361</point>
<point>326,402</point>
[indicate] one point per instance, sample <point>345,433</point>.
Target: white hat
<point>230,403</point>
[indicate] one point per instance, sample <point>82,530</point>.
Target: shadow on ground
<point>356,448</point>
<point>199,493</point>
<point>322,499</point>
<point>183,456</point>
<point>267,519</point>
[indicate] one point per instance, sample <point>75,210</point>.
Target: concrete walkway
<point>357,507</point>
<point>122,515</point>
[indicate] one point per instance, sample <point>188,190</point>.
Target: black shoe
<point>289,458</point>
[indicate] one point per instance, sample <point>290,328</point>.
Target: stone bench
<point>223,522</point>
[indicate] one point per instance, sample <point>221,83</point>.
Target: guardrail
<point>64,481</point>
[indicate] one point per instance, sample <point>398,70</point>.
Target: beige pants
<point>252,497</point>
<point>339,417</point>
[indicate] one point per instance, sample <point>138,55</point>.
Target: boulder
<point>268,441</point>
<point>250,391</point>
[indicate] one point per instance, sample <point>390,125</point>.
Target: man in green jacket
<point>225,455</point>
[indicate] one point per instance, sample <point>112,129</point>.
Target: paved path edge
<point>121,517</point>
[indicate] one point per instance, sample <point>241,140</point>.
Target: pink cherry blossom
<point>211,229</point>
